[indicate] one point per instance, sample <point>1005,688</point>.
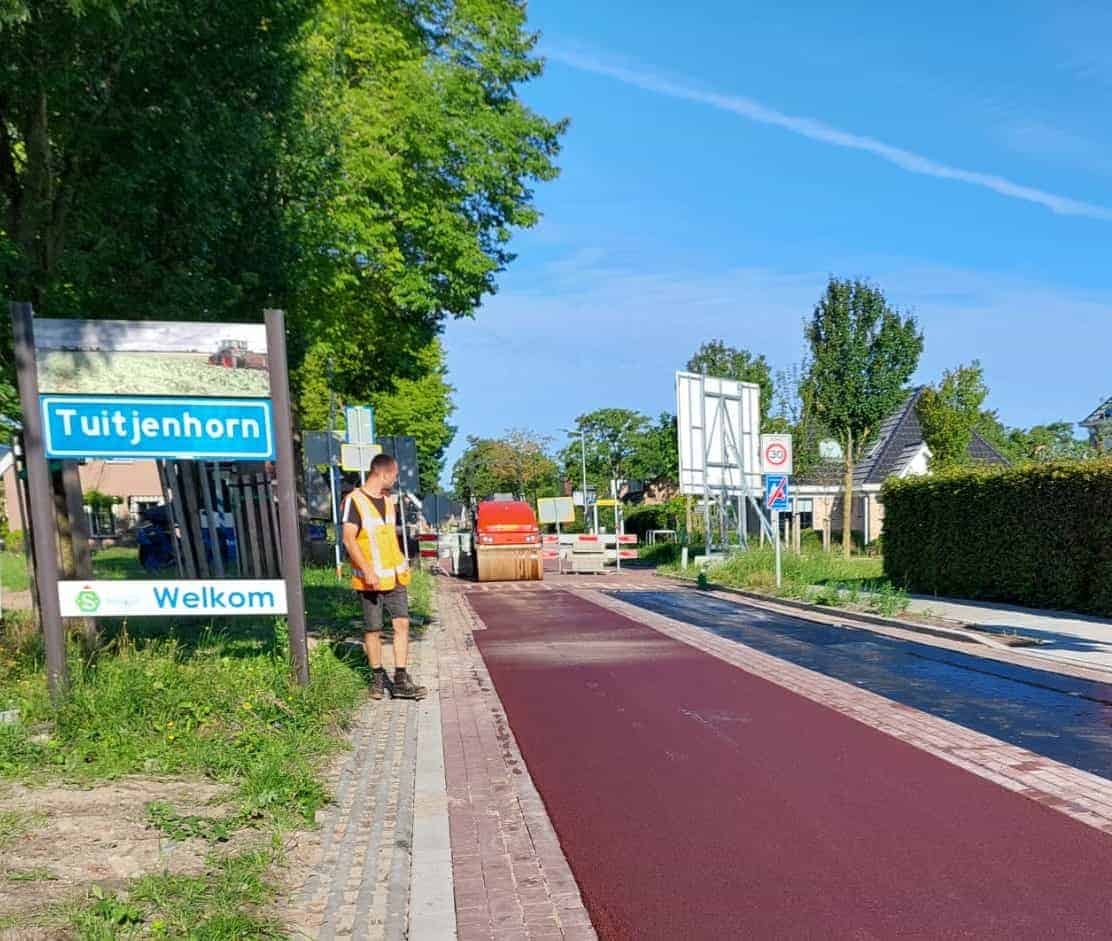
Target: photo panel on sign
<point>718,422</point>
<point>134,357</point>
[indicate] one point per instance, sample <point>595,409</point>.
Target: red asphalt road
<point>695,800</point>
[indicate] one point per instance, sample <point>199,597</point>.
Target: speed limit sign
<point>776,454</point>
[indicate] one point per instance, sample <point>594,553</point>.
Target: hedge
<point>1036,535</point>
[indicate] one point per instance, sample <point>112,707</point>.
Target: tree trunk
<point>847,499</point>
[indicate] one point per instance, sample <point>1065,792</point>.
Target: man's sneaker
<point>378,684</point>
<point>403,687</point>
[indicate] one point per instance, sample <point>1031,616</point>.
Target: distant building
<point>897,451</point>
<point>1099,424</point>
<point>134,483</point>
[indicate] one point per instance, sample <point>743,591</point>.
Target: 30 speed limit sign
<point>776,454</point>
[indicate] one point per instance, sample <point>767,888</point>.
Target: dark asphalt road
<point>695,800</point>
<point>1062,717</point>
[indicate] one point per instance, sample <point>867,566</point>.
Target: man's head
<point>384,471</point>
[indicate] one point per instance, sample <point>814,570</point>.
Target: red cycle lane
<point>695,800</point>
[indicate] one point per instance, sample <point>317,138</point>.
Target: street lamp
<point>583,455</point>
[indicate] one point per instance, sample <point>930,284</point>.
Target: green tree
<point>521,464</point>
<point>655,453</point>
<point>1056,441</point>
<point>432,155</point>
<point>473,477</point>
<point>516,463</point>
<point>863,353</point>
<point>728,362</point>
<point>421,407</point>
<point>612,437</point>
<point>949,412</point>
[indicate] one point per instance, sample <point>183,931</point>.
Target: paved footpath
<point>1066,638</point>
<point>436,830</point>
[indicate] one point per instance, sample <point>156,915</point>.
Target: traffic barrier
<point>428,543</point>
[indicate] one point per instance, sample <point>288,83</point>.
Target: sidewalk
<point>436,830</point>
<point>1067,637</point>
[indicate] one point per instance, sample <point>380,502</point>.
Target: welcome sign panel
<point>91,426</point>
<point>202,597</point>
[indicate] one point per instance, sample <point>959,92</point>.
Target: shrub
<point>1036,535</point>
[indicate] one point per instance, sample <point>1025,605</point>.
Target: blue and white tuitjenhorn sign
<point>104,426</point>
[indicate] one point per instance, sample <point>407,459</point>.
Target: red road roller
<point>507,542</point>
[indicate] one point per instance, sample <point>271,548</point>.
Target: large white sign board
<point>719,420</point>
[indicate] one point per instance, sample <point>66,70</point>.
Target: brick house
<point>135,483</point>
<point>897,451</point>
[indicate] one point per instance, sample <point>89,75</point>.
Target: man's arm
<point>358,560</point>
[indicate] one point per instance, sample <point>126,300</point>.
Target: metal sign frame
<point>718,423</point>
<point>41,498</point>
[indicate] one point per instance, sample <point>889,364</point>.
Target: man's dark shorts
<point>394,603</point>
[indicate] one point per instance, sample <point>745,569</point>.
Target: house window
<point>102,521</point>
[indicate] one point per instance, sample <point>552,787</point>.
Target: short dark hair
<point>382,462</point>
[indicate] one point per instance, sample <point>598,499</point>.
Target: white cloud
<point>817,130</point>
<point>609,334</point>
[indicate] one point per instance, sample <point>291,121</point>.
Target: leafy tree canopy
<point>949,412</point>
<point>728,362</point>
<point>863,353</point>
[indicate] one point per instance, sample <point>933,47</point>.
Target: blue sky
<point>724,158</point>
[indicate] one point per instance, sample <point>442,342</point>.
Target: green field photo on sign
<point>157,358</point>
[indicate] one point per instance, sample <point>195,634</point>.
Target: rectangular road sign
<point>555,510</point>
<point>776,454</point>
<point>79,426</point>
<point>358,457</point>
<point>777,496</point>
<point>360,421</point>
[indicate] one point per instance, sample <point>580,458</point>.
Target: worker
<point>380,574</point>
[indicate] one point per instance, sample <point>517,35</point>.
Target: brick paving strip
<point>511,878</point>
<point>375,848</point>
<point>1078,794</point>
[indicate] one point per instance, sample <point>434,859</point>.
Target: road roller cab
<point>508,542</point>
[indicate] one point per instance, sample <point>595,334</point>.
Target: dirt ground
<point>73,839</point>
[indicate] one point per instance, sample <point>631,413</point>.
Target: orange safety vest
<point>379,544</point>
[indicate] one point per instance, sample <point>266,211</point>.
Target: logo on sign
<point>87,601</point>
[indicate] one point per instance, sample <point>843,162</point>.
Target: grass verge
<point>211,698</point>
<point>819,578</point>
<point>13,571</point>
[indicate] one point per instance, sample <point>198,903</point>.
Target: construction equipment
<point>508,542</point>
<point>234,354</point>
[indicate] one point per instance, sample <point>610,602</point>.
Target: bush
<point>641,519</point>
<point>1036,535</point>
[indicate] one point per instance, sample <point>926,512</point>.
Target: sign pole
<point>332,469</point>
<point>287,491</point>
<point>776,538</point>
<point>40,498</point>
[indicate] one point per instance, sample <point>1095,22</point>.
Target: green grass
<point>817,577</point>
<point>15,823</point>
<point>35,874</point>
<point>222,904</point>
<point>211,698</point>
<point>13,571</point>
<point>118,562</point>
